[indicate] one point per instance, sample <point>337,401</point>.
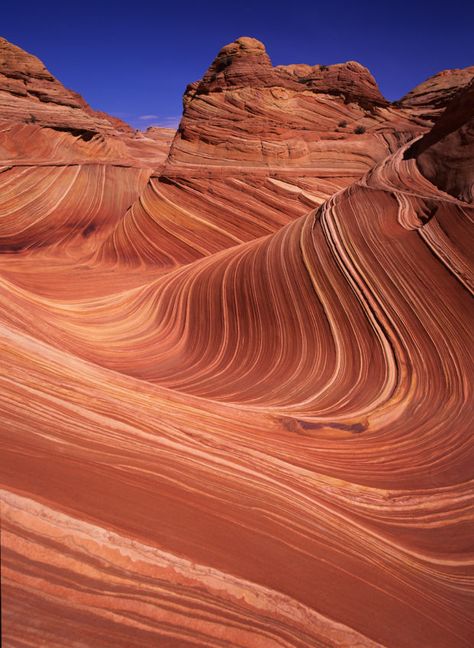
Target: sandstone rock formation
<point>235,413</point>
<point>30,93</point>
<point>444,154</point>
<point>244,111</point>
<point>68,173</point>
<point>31,99</point>
<point>430,98</point>
<point>257,147</point>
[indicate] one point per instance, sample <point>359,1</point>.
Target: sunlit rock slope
<point>236,385</point>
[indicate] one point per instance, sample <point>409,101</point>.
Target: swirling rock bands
<point>236,404</point>
<point>370,458</point>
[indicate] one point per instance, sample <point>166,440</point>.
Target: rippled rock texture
<point>237,404</point>
<point>257,147</point>
<point>67,173</point>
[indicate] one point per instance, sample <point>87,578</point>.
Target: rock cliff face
<point>236,398</point>
<point>257,147</point>
<point>245,63</point>
<point>42,120</point>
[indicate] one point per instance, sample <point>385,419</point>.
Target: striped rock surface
<point>429,99</point>
<point>236,407</point>
<point>67,173</point>
<point>257,147</point>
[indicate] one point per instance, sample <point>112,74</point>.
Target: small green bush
<point>359,130</point>
<point>342,124</point>
<point>323,68</point>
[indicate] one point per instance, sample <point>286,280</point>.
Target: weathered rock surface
<point>30,93</point>
<point>257,147</point>
<point>31,99</point>
<point>444,154</point>
<point>67,173</point>
<point>229,418</point>
<point>430,98</point>
<point>244,111</point>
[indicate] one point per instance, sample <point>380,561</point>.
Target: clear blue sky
<point>134,59</point>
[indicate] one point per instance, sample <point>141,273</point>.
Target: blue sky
<point>135,60</point>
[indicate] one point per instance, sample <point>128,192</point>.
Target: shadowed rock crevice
<point>85,135</point>
<point>444,155</point>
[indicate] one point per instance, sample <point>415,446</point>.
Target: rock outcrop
<point>236,400</point>
<point>444,154</point>
<point>257,146</point>
<point>30,93</point>
<point>67,173</point>
<point>31,100</point>
<point>246,112</point>
<point>429,99</point>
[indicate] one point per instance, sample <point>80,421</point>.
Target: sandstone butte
<point>236,362</point>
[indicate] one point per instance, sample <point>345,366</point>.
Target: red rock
<point>444,155</point>
<point>258,146</point>
<point>244,111</point>
<point>30,93</point>
<point>76,170</point>
<point>430,98</point>
<point>228,418</point>
<point>245,63</point>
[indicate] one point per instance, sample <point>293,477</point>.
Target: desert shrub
<point>342,124</point>
<point>323,68</point>
<point>358,130</point>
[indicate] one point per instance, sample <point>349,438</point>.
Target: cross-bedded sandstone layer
<point>68,173</point>
<point>237,404</point>
<point>257,147</point>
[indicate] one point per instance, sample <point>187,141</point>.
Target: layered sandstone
<point>246,112</point>
<point>30,93</point>
<point>430,98</point>
<point>68,173</point>
<point>32,100</point>
<point>236,401</point>
<point>238,430</point>
<point>444,155</point>
<point>257,146</point>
